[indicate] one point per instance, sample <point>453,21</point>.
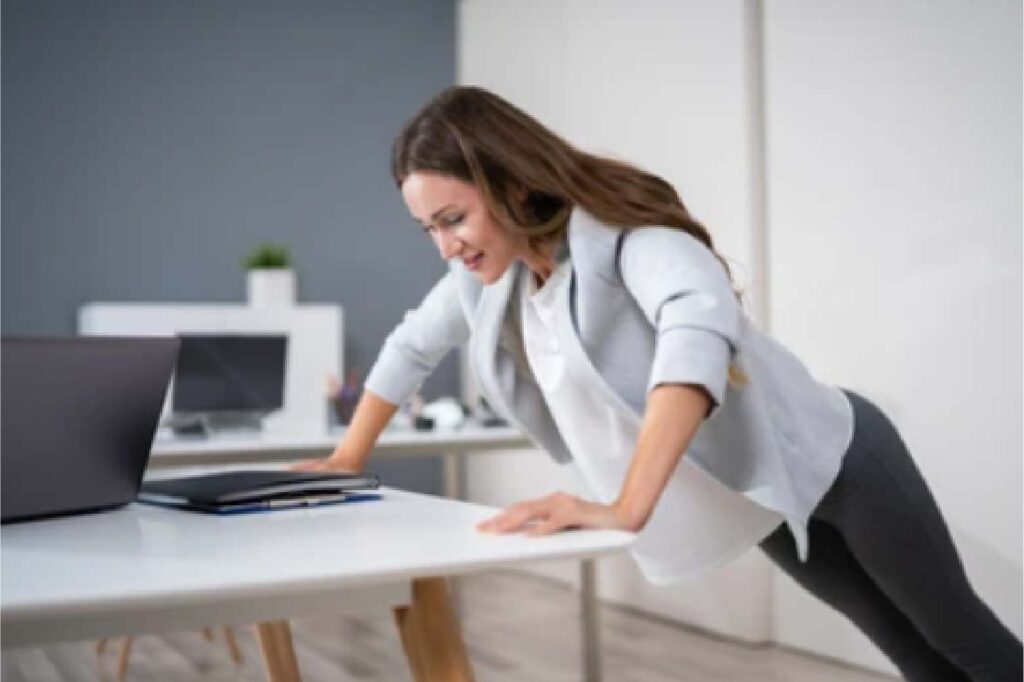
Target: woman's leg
<point>833,575</point>
<point>887,516</point>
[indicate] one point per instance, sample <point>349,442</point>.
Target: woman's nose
<point>448,244</point>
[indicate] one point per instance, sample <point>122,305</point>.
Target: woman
<point>603,324</point>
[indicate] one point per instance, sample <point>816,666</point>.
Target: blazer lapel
<point>578,364</point>
<point>515,395</point>
<point>491,362</point>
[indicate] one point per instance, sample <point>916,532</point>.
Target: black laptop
<point>78,419</point>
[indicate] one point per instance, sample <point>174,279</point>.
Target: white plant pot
<point>270,287</point>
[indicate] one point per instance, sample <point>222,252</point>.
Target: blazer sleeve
<point>685,294</point>
<point>417,345</point>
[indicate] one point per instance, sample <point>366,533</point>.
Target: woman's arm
<point>686,296</point>
<point>410,354</point>
<point>372,414</point>
<point>672,416</point>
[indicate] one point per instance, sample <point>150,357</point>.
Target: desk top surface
<point>142,556</point>
<point>311,439</point>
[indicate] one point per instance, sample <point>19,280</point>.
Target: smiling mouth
<point>474,262</point>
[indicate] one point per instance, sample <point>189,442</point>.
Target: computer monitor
<point>221,374</point>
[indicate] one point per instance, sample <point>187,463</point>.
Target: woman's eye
<point>444,224</point>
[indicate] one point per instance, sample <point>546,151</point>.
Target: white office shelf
<point>315,342</point>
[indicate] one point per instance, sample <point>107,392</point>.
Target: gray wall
<point>148,145</point>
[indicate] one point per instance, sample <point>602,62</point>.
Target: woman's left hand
<point>553,513</point>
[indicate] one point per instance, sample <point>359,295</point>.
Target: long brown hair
<point>482,139</point>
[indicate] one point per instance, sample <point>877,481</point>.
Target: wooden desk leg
<point>122,659</point>
<point>278,655</point>
<point>233,650</point>
<point>406,630</point>
<point>430,635</point>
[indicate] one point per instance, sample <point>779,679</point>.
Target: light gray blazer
<point>649,306</point>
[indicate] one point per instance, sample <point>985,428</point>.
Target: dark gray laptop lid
<point>78,419</point>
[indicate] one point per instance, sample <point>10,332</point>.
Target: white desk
<point>147,569</point>
<point>451,444</point>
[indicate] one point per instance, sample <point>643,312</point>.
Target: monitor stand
<point>202,424</point>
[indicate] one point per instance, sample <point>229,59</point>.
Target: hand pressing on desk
<point>558,511</point>
<point>371,416</point>
<point>662,441</point>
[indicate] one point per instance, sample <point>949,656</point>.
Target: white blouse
<point>697,522</point>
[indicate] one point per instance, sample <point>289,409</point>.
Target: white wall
<point>661,86</point>
<point>894,184</point>
<point>894,211</point>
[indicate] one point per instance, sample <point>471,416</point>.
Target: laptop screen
<point>79,416</point>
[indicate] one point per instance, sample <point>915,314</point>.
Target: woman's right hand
<point>371,416</point>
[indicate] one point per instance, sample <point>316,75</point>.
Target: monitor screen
<point>230,373</point>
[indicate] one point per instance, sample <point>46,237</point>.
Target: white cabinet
<point>315,334</point>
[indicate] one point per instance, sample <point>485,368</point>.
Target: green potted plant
<point>270,278</point>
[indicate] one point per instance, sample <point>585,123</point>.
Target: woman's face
<point>453,213</point>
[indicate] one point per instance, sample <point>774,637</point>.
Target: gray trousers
<point>881,554</point>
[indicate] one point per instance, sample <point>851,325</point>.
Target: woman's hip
<point>876,462</point>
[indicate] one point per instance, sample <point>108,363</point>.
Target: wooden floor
<point>518,628</point>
